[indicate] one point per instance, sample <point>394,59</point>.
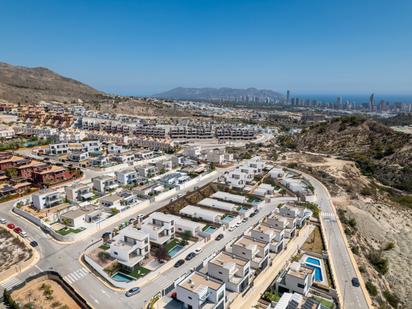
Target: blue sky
<point>143,47</point>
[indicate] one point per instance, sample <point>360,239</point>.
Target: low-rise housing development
<point>198,291</point>
<point>130,247</point>
<point>298,278</point>
<point>160,227</point>
<point>104,184</point>
<point>79,192</point>
<point>201,213</point>
<point>255,250</point>
<point>47,199</point>
<point>231,269</point>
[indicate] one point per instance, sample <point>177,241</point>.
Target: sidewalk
<point>263,280</point>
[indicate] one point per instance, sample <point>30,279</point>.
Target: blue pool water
<point>172,252</point>
<point>210,230</point>
<point>318,272</point>
<point>312,260</point>
<point>227,219</point>
<point>120,277</point>
<point>242,210</point>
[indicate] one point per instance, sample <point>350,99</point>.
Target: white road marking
<point>11,283</point>
<point>76,275</point>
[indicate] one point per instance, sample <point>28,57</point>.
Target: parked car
<point>18,230</point>
<point>237,224</point>
<point>190,256</point>
<point>131,220</point>
<point>11,226</point>
<point>179,263</point>
<point>198,250</point>
<point>34,243</point>
<point>23,234</point>
<point>355,282</point>
<point>231,229</point>
<point>219,237</point>
<point>244,220</point>
<point>252,214</point>
<point>3,221</point>
<point>133,291</point>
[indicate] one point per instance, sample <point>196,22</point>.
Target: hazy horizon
<point>143,48</point>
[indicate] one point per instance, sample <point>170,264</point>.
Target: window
<point>302,286</point>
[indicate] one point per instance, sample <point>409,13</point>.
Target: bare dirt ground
<point>12,250</point>
<point>379,224</point>
<point>314,242</point>
<point>44,293</point>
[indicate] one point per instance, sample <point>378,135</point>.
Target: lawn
<point>138,272</point>
<point>325,302</point>
<point>105,247</point>
<point>171,244</point>
<point>66,230</point>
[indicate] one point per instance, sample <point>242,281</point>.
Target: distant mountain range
<point>221,94</point>
<point>30,85</point>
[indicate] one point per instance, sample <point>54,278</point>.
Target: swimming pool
<point>121,277</point>
<point>227,219</point>
<point>318,272</point>
<point>209,229</point>
<point>172,252</point>
<point>312,260</point>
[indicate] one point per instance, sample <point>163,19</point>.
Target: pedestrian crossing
<point>76,275</point>
<point>327,214</point>
<point>11,283</point>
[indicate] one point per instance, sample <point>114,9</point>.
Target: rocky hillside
<point>379,151</point>
<point>30,85</point>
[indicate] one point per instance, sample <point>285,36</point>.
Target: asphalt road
<point>352,297</point>
<point>64,258</point>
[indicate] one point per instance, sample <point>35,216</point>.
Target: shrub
<point>391,298</point>
<point>362,269</point>
<point>389,246</point>
<point>373,291</point>
<point>380,263</point>
<point>355,249</point>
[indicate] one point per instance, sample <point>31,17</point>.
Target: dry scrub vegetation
<point>378,228</point>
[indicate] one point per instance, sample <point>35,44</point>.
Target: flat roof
<point>197,281</point>
<point>111,198</point>
<point>52,168</point>
<point>247,241</point>
<point>73,214</point>
<point>210,202</point>
<point>199,210</point>
<point>224,258</point>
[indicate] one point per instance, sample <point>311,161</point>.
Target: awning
<point>87,195</point>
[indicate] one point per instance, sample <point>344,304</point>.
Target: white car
<point>232,228</point>
<point>3,221</point>
<point>23,234</point>
<point>198,250</point>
